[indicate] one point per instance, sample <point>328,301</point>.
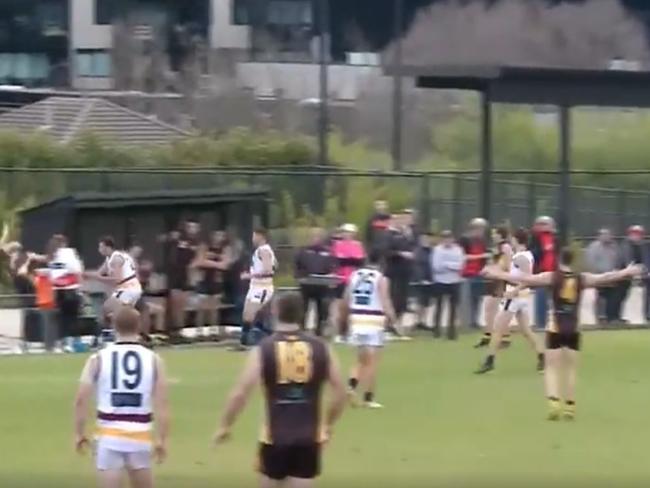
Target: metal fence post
<point>532,199</point>
<point>425,203</point>
<point>621,210</point>
<point>456,205</point>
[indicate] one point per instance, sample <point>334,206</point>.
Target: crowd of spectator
<point>203,272</point>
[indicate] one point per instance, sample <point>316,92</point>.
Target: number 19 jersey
<point>125,386</point>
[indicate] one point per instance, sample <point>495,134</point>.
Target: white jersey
<point>516,272</point>
<point>259,278</point>
<point>125,384</point>
<point>65,269</point>
<point>123,272</point>
<point>366,308</point>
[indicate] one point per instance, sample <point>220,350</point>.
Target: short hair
<point>127,320</point>
<point>567,256</point>
<point>503,232</point>
<point>289,307</point>
<point>262,232</point>
<point>521,235</point>
<point>108,241</point>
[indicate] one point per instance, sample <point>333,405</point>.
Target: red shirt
<point>548,260</point>
<point>473,267</point>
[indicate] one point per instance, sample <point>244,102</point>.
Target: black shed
<point>140,217</point>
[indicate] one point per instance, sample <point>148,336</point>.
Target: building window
<point>52,16</point>
<point>23,67</point>
<point>290,12</point>
<point>93,63</point>
<point>240,12</point>
<point>104,12</point>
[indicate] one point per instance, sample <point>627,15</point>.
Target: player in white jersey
<point>260,290</point>
<point>120,271</point>
<point>130,385</point>
<point>368,306</point>
<point>515,304</point>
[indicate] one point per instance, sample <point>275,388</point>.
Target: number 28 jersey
<point>125,386</point>
<point>295,366</point>
<point>365,300</point>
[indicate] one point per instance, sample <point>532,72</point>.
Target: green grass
<point>443,426</point>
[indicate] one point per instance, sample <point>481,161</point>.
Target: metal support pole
<point>532,199</point>
<point>564,211</point>
<point>323,112</point>
<point>425,203</point>
<point>456,209</point>
<point>486,156</point>
<point>398,19</point>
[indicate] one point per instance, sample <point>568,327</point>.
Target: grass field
<point>443,426</point>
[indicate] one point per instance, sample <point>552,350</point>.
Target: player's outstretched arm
<point>239,395</point>
<point>337,398</point>
<point>161,410</point>
<point>596,280</point>
<point>82,402</point>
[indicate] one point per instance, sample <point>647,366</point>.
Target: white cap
<point>351,228</point>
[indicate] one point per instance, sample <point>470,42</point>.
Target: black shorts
<point>281,462</point>
<point>570,340</point>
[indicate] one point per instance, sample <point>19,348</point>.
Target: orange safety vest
<point>44,292</point>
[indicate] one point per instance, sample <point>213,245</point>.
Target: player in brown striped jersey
<point>562,331</point>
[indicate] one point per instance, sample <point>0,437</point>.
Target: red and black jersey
<point>294,367</point>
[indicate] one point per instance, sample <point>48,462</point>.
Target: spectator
<point>634,250</point>
<point>146,305</point>
<point>212,260</point>
<point>349,255</point>
<point>181,247</point>
<point>545,248</point>
<point>448,261</point>
<point>399,265</point>
<point>602,256</point>
<point>423,275</point>
<point>65,272</point>
<point>315,260</point>
<point>377,228</point>
<point>475,246</point>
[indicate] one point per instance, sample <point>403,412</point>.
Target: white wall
<point>85,34</point>
<point>224,35</point>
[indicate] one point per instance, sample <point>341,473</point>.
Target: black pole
<point>486,156</point>
<point>564,200</point>
<point>398,19</point>
<point>323,112</point>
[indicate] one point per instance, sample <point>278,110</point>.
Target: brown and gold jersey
<point>496,287</point>
<point>294,367</point>
<point>566,292</point>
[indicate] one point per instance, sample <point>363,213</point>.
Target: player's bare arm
<point>239,396</point>
<point>161,409</point>
<point>596,280</point>
<point>338,395</point>
<point>525,266</point>
<point>386,302</point>
<point>82,402</point>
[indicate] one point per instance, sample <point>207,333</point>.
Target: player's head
<point>260,236</point>
<point>136,251</point>
<point>566,257</point>
<point>521,237</point>
<point>106,246</point>
<point>127,321</point>
<point>288,308</point>
<point>192,228</point>
<point>501,233</point>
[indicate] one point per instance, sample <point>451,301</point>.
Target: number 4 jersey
<point>294,367</point>
<point>125,384</point>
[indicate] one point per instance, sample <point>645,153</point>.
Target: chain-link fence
<point>316,196</point>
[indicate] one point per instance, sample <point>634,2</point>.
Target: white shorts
<point>127,296</point>
<point>367,337</point>
<point>259,295</point>
<point>515,305</point>
<point>112,460</point>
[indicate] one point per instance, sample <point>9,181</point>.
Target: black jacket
<point>422,267</point>
<point>313,260</point>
